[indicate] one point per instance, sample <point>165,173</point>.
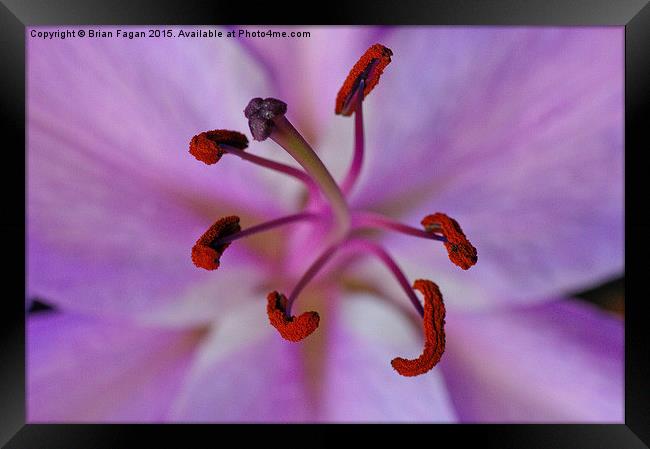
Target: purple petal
<point>137,106</point>
<point>517,134</point>
<point>245,372</point>
<point>365,334</point>
<point>115,201</point>
<point>557,362</point>
<point>82,369</point>
<point>119,249</point>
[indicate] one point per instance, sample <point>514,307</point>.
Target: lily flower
<point>398,240</point>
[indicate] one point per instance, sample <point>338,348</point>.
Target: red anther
<point>461,252</point>
<point>207,146</point>
<point>434,332</point>
<point>369,68</point>
<point>205,252</point>
<point>291,328</point>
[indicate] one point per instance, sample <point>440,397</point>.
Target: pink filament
<point>311,272</point>
<point>381,254</point>
<point>268,225</point>
<point>277,166</point>
<point>378,221</point>
<point>357,244</point>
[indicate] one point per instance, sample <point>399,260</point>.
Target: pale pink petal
<point>136,104</point>
<point>340,373</point>
<point>558,362</point>
<point>245,372</point>
<point>115,201</point>
<point>82,369</point>
<point>364,334</point>
<point>516,133</point>
<point>121,249</point>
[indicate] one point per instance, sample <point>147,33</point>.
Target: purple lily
<point>516,133</point>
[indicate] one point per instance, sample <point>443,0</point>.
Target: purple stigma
<point>260,114</point>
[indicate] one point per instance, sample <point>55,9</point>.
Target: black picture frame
<point>634,15</point>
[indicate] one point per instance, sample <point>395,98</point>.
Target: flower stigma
<point>329,205</point>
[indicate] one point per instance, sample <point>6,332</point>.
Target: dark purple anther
<point>260,114</point>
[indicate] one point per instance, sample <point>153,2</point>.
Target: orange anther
<point>369,68</point>
<point>207,146</point>
<point>461,252</point>
<point>434,332</point>
<point>290,328</point>
<point>206,252</point>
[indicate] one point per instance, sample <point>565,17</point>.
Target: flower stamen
<point>207,251</point>
<point>211,245</point>
<point>311,272</point>
<point>368,69</point>
<point>266,226</point>
<point>461,251</point>
<point>379,252</point>
<point>372,220</point>
<point>290,327</point>
<point>434,332</point>
<point>209,146</point>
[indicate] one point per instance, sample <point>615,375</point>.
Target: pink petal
<point>115,201</point>
<point>245,372</point>
<point>365,334</point>
<point>341,373</point>
<point>83,369</point>
<point>557,362</point>
<point>120,249</point>
<point>517,134</point>
<point>139,103</point>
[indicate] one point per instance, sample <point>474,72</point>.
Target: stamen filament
<point>267,226</point>
<point>273,165</point>
<point>359,141</point>
<point>311,272</point>
<point>285,135</point>
<point>381,254</point>
<point>373,220</point>
<point>358,244</point>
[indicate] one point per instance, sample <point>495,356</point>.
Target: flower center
<point>328,205</point>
